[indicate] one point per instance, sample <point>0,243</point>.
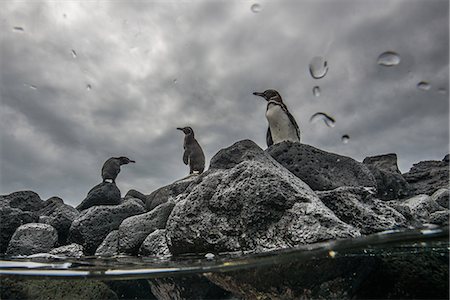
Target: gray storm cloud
<point>84,81</point>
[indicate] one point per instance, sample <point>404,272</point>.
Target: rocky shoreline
<point>248,200</point>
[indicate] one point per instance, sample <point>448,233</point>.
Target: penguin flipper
<point>292,119</point>
<point>269,138</point>
<point>186,157</point>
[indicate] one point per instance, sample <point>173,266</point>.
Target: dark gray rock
<point>110,245</point>
<point>440,217</point>
<point>386,162</point>
<point>72,250</point>
<point>23,200</point>
<point>186,287</point>
<point>390,182</point>
<point>319,169</point>
<point>441,196</point>
<point>353,276</point>
<point>10,220</point>
<point>131,289</point>
<point>358,207</point>
<point>44,289</point>
<point>420,207</point>
<point>50,205</point>
<point>105,193</point>
<point>135,194</point>
<point>94,224</point>
<point>134,230</point>
<point>426,177</point>
<point>32,238</point>
<point>17,209</point>
<point>247,201</point>
<point>168,192</point>
<point>239,152</point>
<point>446,158</point>
<point>155,244</point>
<point>60,216</point>
<point>390,185</point>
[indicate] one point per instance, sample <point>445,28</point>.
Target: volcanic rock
<point>426,177</point>
<point>390,182</point>
<point>319,169</point>
<point>110,245</point>
<point>105,193</point>
<point>168,192</point>
<point>94,224</point>
<point>60,216</point>
<point>441,196</point>
<point>155,244</point>
<point>134,230</point>
<point>248,201</point>
<point>358,207</point>
<point>72,250</point>
<point>386,162</point>
<point>32,238</point>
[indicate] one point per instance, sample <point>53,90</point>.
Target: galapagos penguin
<point>193,153</point>
<point>111,167</point>
<point>282,125</point>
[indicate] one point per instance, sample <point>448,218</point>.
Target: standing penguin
<point>193,153</point>
<point>282,125</point>
<point>111,167</point>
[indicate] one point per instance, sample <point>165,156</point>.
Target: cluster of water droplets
<point>318,69</point>
<point>392,58</point>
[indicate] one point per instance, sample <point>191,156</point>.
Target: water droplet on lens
<point>388,59</point>
<point>209,256</point>
<point>423,85</point>
<point>442,91</point>
<point>31,86</point>
<point>345,138</point>
<point>18,28</point>
<point>318,67</point>
<point>175,81</point>
<point>256,8</point>
<point>88,87</point>
<point>316,91</point>
<point>329,121</point>
<point>74,54</point>
<point>64,16</point>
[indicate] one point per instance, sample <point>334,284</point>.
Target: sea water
<point>357,262</point>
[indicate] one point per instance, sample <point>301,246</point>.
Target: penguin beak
<point>132,161</point>
<point>260,95</point>
<point>180,128</point>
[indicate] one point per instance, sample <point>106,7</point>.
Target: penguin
<point>282,125</point>
<point>193,153</point>
<point>111,167</point>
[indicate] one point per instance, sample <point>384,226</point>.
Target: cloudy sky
<point>82,81</point>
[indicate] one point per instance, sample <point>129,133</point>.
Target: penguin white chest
<point>280,125</point>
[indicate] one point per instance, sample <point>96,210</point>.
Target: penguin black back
<point>111,167</point>
<point>193,154</point>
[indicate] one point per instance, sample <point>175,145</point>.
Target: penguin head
<point>125,160</point>
<point>187,130</point>
<point>269,95</point>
